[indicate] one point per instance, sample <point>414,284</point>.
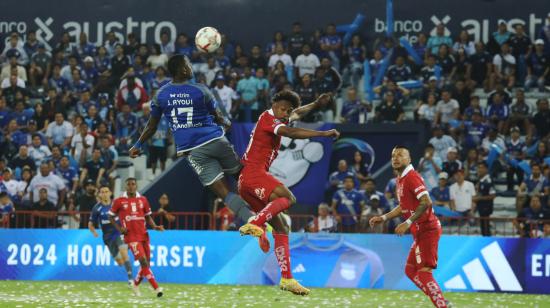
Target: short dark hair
<point>483,163</point>
<point>349,177</point>
<point>287,95</point>
<point>429,145</point>
<point>174,64</point>
<point>3,194</point>
<point>36,135</point>
<point>370,180</point>
<point>131,179</point>
<point>104,186</point>
<point>397,147</point>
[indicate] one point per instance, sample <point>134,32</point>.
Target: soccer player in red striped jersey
<point>266,195</point>
<point>134,211</point>
<point>416,207</point>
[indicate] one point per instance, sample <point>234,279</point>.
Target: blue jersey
<point>188,107</point>
<point>348,203</point>
<point>68,175</point>
<point>500,111</point>
<point>100,217</point>
<point>442,195</point>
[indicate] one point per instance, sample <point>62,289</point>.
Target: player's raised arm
<point>302,111</point>
<point>302,133</point>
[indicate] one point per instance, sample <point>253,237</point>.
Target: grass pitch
<point>106,294</point>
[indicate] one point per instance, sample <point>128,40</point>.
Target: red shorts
<point>140,249</point>
<point>423,251</point>
<point>256,188</point>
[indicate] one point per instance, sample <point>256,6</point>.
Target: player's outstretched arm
<point>147,133</point>
<point>152,223</point>
<point>302,133</point>
<point>301,112</point>
<point>396,212</point>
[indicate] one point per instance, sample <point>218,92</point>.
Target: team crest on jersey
<point>125,205</point>
<point>260,192</point>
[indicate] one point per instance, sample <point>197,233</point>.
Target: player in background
<point>198,128</point>
<point>133,211</point>
<point>111,237</point>
<point>416,207</point>
<point>267,196</point>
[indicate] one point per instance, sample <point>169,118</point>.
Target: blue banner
<point>466,263</point>
<point>302,164</point>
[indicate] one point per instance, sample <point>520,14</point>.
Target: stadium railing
<point>511,227</point>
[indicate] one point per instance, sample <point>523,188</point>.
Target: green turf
<point>104,294</point>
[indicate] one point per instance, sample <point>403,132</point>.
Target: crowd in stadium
<point>66,113</point>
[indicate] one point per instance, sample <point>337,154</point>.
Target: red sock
<point>432,289</point>
<point>139,277</point>
<point>282,253</point>
<point>271,210</point>
<point>412,273</point>
<point>150,277</point>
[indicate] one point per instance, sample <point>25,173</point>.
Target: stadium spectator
<point>452,164</point>
<point>447,63</point>
<point>32,129</point>
<point>447,108</point>
<point>53,184</point>
<point>247,88</point>
<point>37,151</point>
<point>515,148</point>
<point>93,119</point>
<point>521,46</point>
<point>369,189</point>
<point>336,179</point>
<point>441,193</point>
<point>541,154</point>
<point>373,208</point>
<point>82,143</point>
<point>166,44</point>
<point>498,112</point>
<point>520,113</point>
<point>158,147</point>
<point>355,54</point>
<point>529,221</point>
<point>534,185</point>
<point>85,202</point>
<point>53,104</point>
<point>40,67</point>
<point>94,170</point>
<point>461,194</point>
<point>483,200</point>
<point>16,45</point>
<point>474,131</point>
<point>227,96</point>
<point>544,34</point>
<point>131,93</point>
<point>296,40</point>
<point>13,66</point>
<point>120,64</point>
<point>306,62</point>
<point>481,66</point>
<point>84,48</point>
<point>14,92</point>
<point>324,222</point>
<point>67,70</point>
<point>89,71</point>
<point>493,138</point>
<point>44,211</point>
<point>389,111</point>
<point>541,120</point>
<point>347,206</point>
<point>279,55</point>
<point>430,166</point>
<point>23,191</point>
<point>257,60</point>
<point>8,183</point>
<point>58,82</point>
<point>462,94</point>
<point>223,215</point>
<point>504,64</point>
<point>538,67</point>
<point>331,45</point>
<point>22,160</point>
<point>210,70</point>
<point>327,78</point>
<point>435,41</point>
<point>84,103</point>
<point>68,174</point>
<point>464,42</point>
<point>470,165</point>
<point>270,49</point>
<point>354,110</point>
<point>441,142</point>
<point>102,61</point>
<point>359,167</point>
<point>428,111</point>
<point>307,92</point>
<point>126,126</point>
<point>55,159</point>
<point>6,209</point>
<point>109,155</point>
<point>167,219</point>
<point>399,71</point>
<point>60,131</point>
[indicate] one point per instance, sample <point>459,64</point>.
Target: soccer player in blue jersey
<point>198,128</point>
<point>111,237</point>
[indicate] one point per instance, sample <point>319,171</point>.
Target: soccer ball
<point>208,39</point>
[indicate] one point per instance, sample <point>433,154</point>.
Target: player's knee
<point>410,271</point>
<point>425,269</point>
<point>143,262</point>
<point>291,200</point>
<point>119,261</point>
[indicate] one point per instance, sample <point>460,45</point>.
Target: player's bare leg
<point>282,253</point>
<point>280,200</point>
<point>238,206</point>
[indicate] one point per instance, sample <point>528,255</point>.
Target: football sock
<point>150,277</point>
<point>282,253</point>
<point>411,272</point>
<point>271,210</point>
<point>432,289</point>
<point>238,206</point>
<point>128,267</point>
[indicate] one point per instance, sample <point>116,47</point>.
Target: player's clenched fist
<point>375,220</point>
<point>332,133</point>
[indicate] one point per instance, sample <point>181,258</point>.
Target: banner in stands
<point>148,19</point>
<point>466,263</point>
<point>302,164</point>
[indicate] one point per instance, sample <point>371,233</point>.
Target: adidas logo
<point>479,279</point>
<point>299,269</point>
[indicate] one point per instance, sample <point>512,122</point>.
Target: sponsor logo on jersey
<point>260,192</point>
